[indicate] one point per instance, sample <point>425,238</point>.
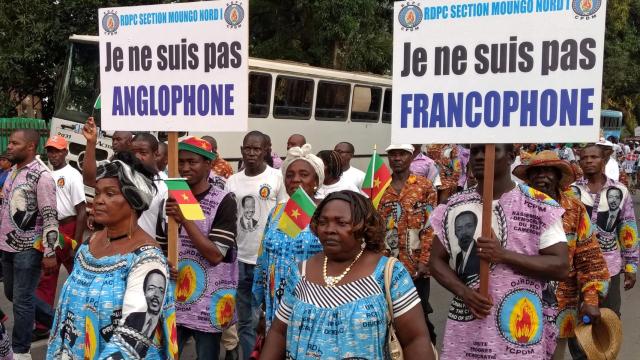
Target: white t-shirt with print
<point>69,191</point>
<point>256,196</point>
<point>355,176</point>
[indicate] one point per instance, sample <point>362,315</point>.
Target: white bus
<point>326,106</point>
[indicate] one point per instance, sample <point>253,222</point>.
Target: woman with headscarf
<point>335,303</point>
<point>333,180</point>
<point>301,169</point>
<point>117,302</point>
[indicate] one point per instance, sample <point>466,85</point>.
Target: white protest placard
<point>175,67</point>
<point>521,71</point>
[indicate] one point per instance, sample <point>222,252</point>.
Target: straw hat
<point>547,158</point>
<point>601,341</point>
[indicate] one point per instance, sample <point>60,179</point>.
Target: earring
<point>363,244</point>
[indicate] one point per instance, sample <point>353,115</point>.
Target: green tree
<point>33,44</point>
<point>354,35</point>
<point>621,83</point>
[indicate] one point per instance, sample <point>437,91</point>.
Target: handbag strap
<point>388,272</point>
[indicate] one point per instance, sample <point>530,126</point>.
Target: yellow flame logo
<point>186,283</point>
<point>524,321</point>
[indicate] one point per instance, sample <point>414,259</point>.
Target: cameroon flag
<point>377,179</point>
<point>297,213</point>
<point>179,190</point>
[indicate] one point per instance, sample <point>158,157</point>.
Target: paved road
<point>440,299</point>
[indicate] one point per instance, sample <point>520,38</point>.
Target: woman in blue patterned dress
<point>300,169</point>
<point>334,305</point>
<point>117,302</point>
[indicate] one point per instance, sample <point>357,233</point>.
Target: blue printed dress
<point>116,307</point>
<point>345,321</point>
<point>277,253</point>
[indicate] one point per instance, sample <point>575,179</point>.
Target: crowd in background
<point>565,241</point>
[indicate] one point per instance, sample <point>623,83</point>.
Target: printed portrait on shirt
<point>24,208</point>
<point>249,213</point>
<point>609,218</point>
<point>391,237</point>
<point>143,308</point>
<point>466,261</point>
<point>463,224</point>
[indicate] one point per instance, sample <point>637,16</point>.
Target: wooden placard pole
<point>172,226</point>
<point>487,210</point>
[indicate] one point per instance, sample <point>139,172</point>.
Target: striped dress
<point>345,321</point>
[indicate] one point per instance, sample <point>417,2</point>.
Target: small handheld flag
<point>377,179</point>
<point>98,104</point>
<point>189,205</point>
<point>297,213</point>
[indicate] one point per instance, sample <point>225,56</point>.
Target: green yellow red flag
<point>179,190</point>
<point>377,179</point>
<point>297,213</point>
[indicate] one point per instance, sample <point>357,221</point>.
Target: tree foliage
<point>33,43</point>
<point>621,83</point>
<point>354,35</point>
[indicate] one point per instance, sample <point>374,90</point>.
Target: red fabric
<point>46,290</point>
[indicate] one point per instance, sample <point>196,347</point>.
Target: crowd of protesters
<point>564,243</point>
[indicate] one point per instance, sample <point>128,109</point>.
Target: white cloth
<point>69,191</point>
<point>515,164</point>
<point>256,196</point>
<point>612,170</point>
<point>354,176</point>
<point>163,175</point>
<point>553,235</point>
<point>153,221</point>
<point>342,184</point>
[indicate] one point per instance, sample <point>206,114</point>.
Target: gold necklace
<point>332,281</point>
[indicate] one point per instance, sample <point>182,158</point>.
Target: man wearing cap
<point>28,236</point>
<point>588,275</point>
<point>72,216</point>
<point>207,266</point>
<point>405,207</point>
<point>258,188</point>
<point>527,250</point>
<point>610,206</point>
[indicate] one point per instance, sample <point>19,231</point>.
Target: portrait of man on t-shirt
<point>248,222</point>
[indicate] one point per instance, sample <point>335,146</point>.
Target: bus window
<point>365,106</point>
<point>386,107</point>
<point>293,98</point>
<point>80,84</point>
<point>259,94</point>
<point>332,101</point>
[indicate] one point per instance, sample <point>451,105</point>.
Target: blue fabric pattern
<point>103,308</point>
<point>277,253</point>
<point>347,321</point>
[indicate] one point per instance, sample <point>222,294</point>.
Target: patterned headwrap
<point>136,188</point>
<point>304,153</point>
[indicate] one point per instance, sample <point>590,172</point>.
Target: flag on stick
<point>297,213</point>
<point>377,179</point>
<point>189,205</point>
<point>98,104</point>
